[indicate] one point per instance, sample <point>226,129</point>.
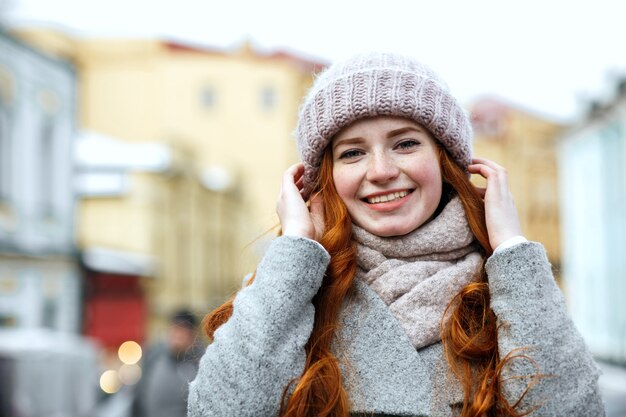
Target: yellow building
<point>525,144</point>
<point>226,119</point>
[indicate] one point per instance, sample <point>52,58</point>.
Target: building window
<point>47,170</point>
<point>48,163</point>
<point>49,315</point>
<point>5,154</point>
<point>208,98</point>
<point>268,98</point>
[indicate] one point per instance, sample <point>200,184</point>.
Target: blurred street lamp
<point>129,352</point>
<point>129,374</point>
<point>110,382</point>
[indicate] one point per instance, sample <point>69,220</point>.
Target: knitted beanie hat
<point>378,85</point>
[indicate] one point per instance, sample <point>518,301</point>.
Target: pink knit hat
<point>379,85</point>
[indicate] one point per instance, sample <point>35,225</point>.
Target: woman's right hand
<point>296,219</point>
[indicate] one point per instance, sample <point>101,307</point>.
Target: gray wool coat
<point>261,348</point>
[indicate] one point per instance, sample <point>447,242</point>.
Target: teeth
<point>388,197</point>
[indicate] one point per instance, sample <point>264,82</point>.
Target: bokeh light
<point>110,382</point>
<point>129,352</point>
<point>129,374</point>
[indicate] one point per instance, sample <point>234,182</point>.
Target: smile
<point>386,197</point>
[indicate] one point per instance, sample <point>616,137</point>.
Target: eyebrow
<point>402,130</point>
<point>390,134</point>
<point>347,141</point>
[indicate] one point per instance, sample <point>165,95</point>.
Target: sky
<point>550,57</point>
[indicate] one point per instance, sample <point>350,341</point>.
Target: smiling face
<point>386,171</point>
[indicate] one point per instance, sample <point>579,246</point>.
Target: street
<point>613,387</point>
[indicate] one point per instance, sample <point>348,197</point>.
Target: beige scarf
<point>418,274</point>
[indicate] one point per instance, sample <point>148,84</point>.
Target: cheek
<point>346,183</point>
<point>434,176</point>
<point>426,174</point>
<point>426,171</point>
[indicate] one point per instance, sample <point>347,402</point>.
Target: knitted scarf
<point>418,274</point>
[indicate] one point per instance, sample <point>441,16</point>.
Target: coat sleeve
<point>533,321</point>
<point>260,348</point>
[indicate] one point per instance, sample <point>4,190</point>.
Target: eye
<point>351,153</point>
<point>407,144</point>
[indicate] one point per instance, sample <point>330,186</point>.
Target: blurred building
<point>223,122</point>
<point>592,163</point>
<point>115,299</point>
<point>39,274</point>
<point>46,367</point>
<point>525,144</point>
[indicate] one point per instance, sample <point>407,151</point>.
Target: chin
<point>391,231</point>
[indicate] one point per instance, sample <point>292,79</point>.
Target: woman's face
<point>386,171</point>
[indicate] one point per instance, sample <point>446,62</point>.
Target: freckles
<point>346,180</point>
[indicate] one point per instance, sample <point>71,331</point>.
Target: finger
<point>481,169</point>
<point>296,175</point>
<point>304,192</point>
<point>497,179</point>
<point>300,183</point>
<point>489,171</point>
<point>487,162</point>
<point>293,174</point>
<point>295,170</point>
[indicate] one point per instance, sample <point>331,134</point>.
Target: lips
<point>385,198</point>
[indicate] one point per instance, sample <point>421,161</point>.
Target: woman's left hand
<point>500,212</point>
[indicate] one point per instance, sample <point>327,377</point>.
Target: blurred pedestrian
<point>167,369</point>
<point>397,287</point>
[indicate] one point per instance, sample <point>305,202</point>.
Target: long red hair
<point>469,332</point>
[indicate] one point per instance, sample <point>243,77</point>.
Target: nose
<point>382,168</point>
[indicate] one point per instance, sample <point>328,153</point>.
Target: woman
<point>384,295</point>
